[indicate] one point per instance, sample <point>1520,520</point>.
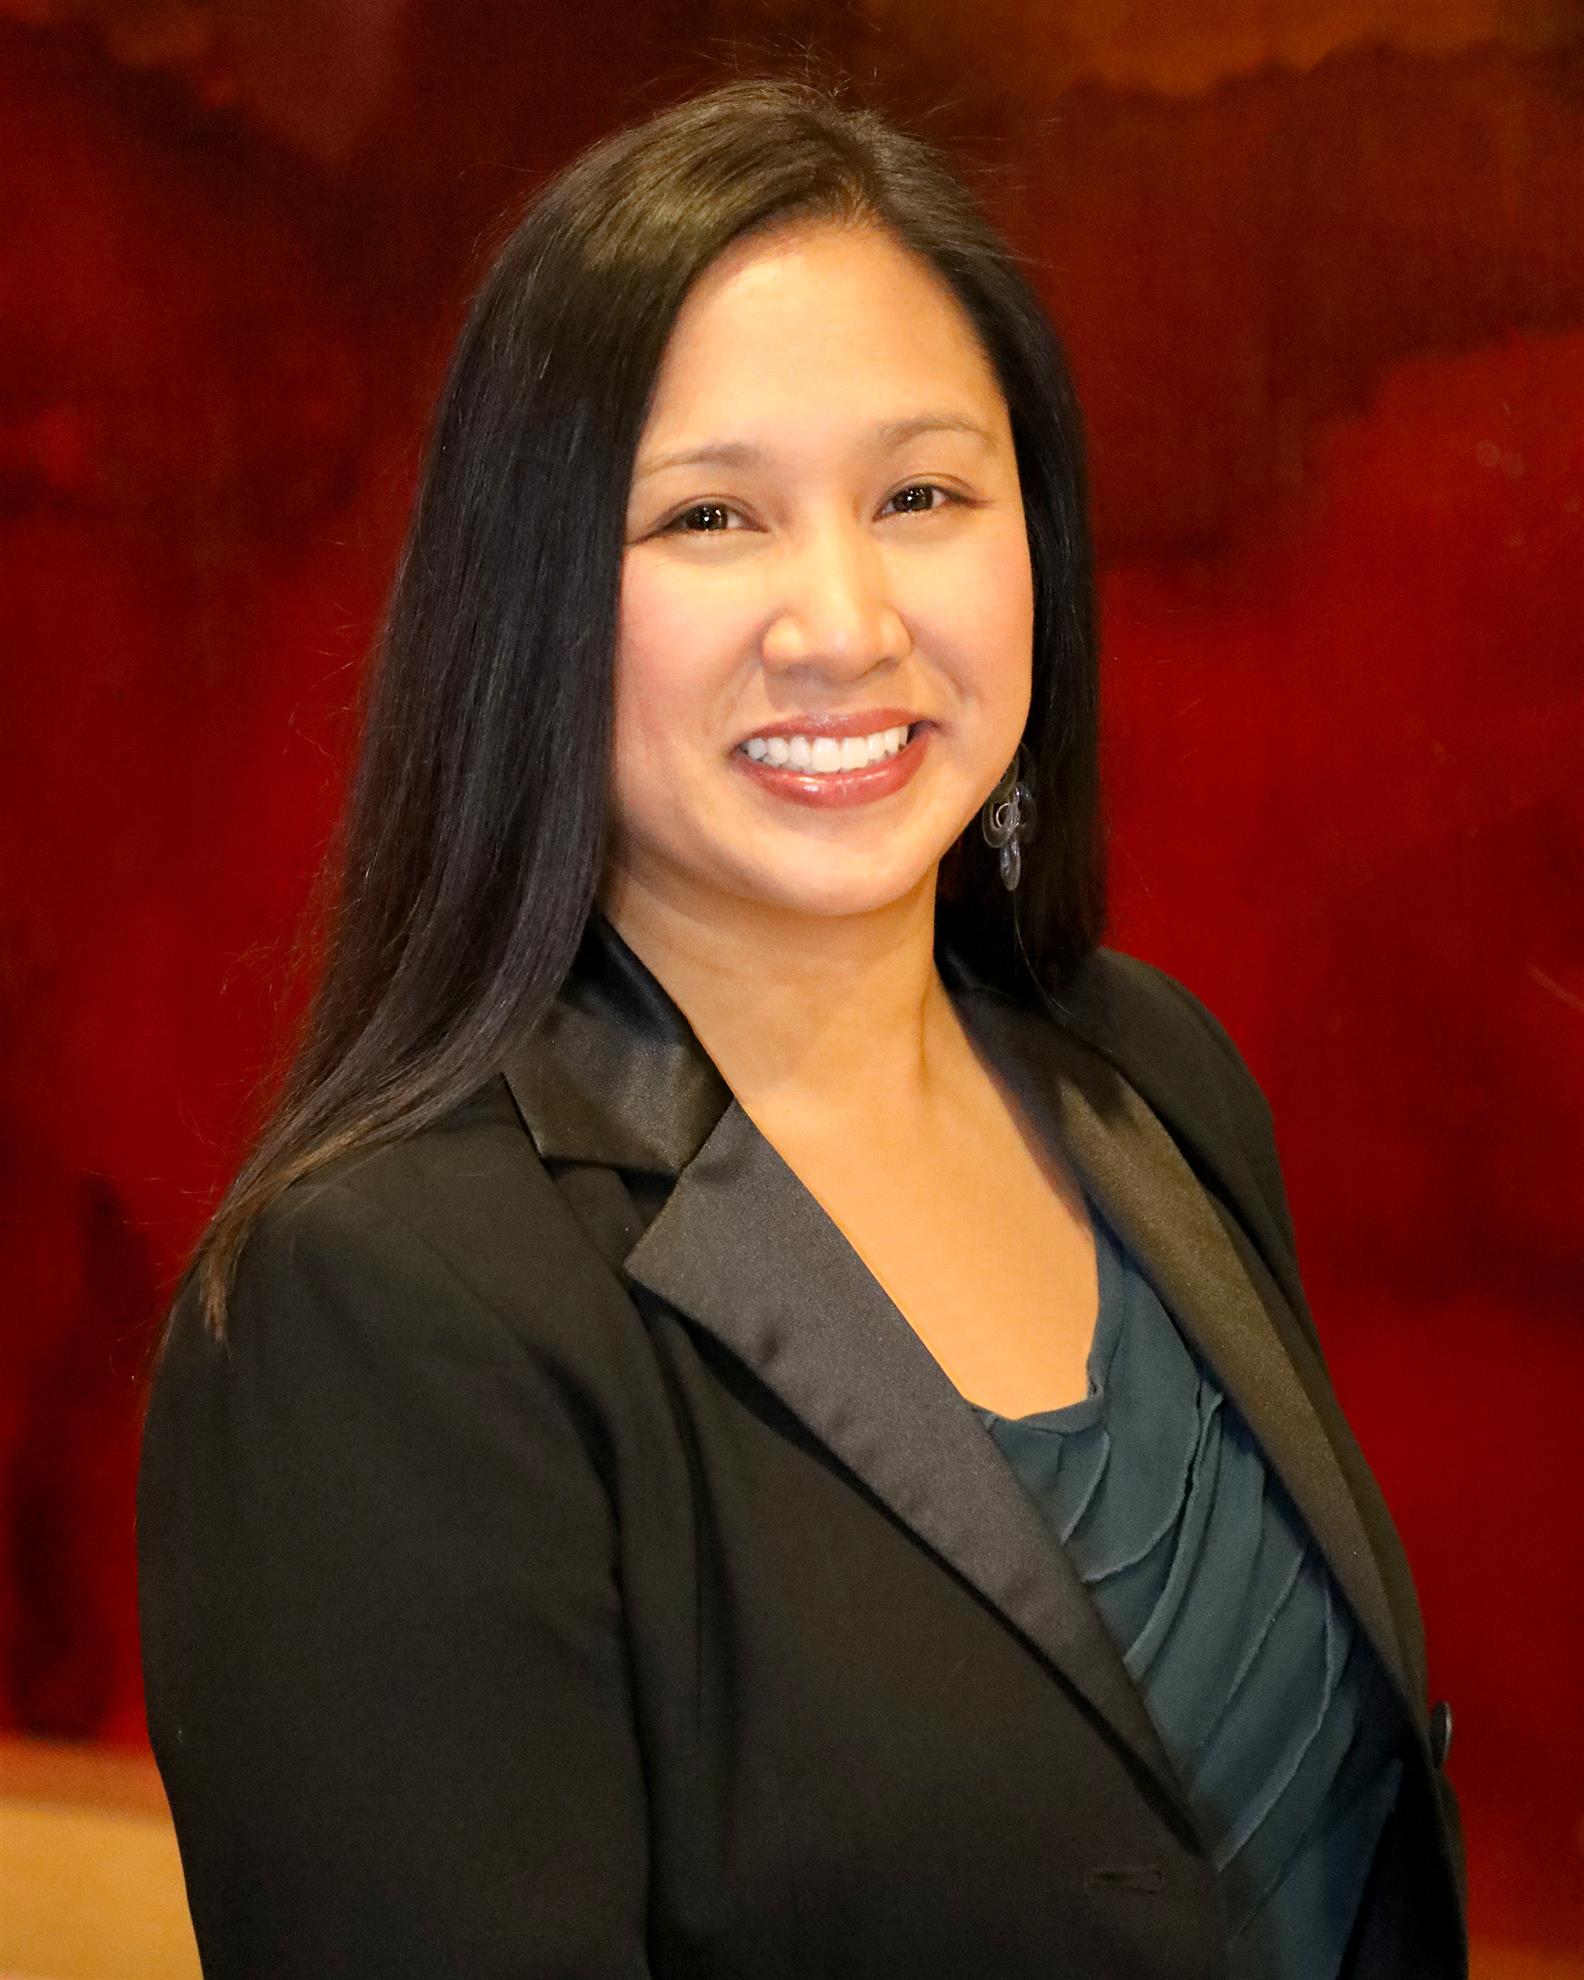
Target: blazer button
<point>1440,1731</point>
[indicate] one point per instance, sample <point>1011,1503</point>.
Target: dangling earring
<point>1007,818</point>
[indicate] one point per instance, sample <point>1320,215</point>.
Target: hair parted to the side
<point>475,829</point>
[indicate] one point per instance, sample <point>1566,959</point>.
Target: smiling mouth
<point>844,785</point>
<point>825,756</point>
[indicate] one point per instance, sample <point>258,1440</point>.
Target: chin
<point>836,894</point>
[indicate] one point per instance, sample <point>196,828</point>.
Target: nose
<point>835,612</point>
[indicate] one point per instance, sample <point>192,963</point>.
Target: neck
<point>808,1017</point>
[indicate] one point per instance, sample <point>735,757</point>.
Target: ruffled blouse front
<point>1270,1703</point>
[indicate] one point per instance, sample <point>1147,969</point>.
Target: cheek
<point>1004,642</point>
<point>648,639</point>
<point>1009,585</point>
<point>983,611</point>
<point>663,678</point>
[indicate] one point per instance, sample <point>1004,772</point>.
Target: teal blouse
<point>1270,1703</point>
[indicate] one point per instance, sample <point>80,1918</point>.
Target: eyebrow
<point>743,453</point>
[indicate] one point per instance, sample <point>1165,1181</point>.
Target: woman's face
<point>825,541</point>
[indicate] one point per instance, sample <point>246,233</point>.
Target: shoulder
<point>451,1240</point>
<point>1134,1011</point>
<point>418,1318</point>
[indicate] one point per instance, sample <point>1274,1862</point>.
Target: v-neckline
<point>1068,1418</point>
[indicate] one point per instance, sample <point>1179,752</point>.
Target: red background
<point>1324,291</point>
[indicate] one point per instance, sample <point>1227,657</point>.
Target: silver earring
<point>1007,818</point>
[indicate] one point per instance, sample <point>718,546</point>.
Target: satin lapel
<point>613,1073</point>
<point>1146,1189</point>
<point>744,1249</point>
<point>615,1077</point>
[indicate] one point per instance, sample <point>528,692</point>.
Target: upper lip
<point>864,722</point>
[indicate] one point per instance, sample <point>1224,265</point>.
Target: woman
<point>753,1412</point>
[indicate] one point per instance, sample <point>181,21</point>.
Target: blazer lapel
<point>1145,1187</point>
<point>743,1248</point>
<point>614,1079</point>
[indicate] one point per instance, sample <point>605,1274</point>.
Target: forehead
<point>818,321</point>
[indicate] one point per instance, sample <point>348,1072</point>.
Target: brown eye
<point>675,526</point>
<point>923,488</point>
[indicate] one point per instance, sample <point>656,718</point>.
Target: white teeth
<point>827,753</point>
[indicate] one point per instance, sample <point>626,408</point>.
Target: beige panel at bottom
<point>91,1895</point>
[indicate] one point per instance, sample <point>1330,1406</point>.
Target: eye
<point>680,525</point>
<point>924,488</point>
<point>675,526</point>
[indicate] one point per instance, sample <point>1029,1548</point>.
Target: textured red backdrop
<point>1325,297</point>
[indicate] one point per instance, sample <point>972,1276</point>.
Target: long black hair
<point>473,839</point>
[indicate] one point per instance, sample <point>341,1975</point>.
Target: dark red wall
<point>1326,303</point>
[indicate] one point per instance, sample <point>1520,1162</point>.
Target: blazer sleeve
<point>383,1642</point>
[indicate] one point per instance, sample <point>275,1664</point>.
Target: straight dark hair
<point>474,835</point>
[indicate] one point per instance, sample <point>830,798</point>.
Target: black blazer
<point>575,1565</point>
